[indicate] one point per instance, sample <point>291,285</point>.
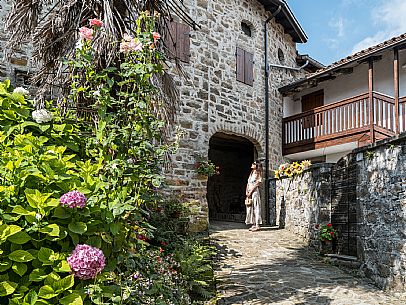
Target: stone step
<point>347,261</point>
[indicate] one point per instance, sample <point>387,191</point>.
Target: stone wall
<point>380,203</point>
<point>213,101</point>
<point>18,67</point>
<point>381,191</point>
<point>304,201</point>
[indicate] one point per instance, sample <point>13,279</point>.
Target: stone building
<point>222,111</point>
<point>223,95</point>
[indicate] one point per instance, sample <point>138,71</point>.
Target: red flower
<point>161,250</point>
<point>331,233</point>
<point>329,225</point>
<point>164,244</point>
<point>156,36</point>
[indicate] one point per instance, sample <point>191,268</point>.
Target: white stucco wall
<point>346,86</point>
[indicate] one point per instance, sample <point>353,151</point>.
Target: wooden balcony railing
<point>342,122</point>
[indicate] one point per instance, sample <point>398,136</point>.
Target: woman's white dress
<point>254,211</point>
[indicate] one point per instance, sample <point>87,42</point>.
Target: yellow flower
<point>288,171</point>
<point>295,165</point>
<point>306,163</point>
<point>277,174</point>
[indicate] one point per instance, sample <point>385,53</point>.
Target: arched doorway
<point>226,191</point>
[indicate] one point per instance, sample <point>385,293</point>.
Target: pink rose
<point>96,22</point>
<point>86,33</point>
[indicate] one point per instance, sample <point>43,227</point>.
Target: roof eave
<point>299,36</point>
<point>293,85</point>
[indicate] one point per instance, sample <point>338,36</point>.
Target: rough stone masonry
<point>213,101</point>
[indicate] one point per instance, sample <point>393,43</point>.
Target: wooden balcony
<point>352,120</point>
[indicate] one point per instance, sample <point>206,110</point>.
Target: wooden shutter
<point>240,64</point>
<point>183,42</point>
<point>249,68</point>
<point>170,40</point>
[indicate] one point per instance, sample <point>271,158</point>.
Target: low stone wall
<point>304,201</point>
<point>381,197</point>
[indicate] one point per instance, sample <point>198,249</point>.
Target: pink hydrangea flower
<point>86,33</point>
<point>86,261</point>
<point>156,36</point>
<point>96,22</point>
<point>73,199</point>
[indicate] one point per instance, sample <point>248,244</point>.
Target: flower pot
<point>326,246</point>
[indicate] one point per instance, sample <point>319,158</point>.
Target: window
<point>245,27</point>
<point>245,66</point>
<point>281,56</point>
<point>178,41</point>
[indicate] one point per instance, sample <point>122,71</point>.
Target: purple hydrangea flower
<point>73,199</point>
<point>86,261</point>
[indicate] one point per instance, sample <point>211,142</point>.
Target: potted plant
<point>207,168</point>
<point>326,235</point>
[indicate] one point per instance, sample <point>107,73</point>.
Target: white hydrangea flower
<point>41,116</point>
<point>21,90</point>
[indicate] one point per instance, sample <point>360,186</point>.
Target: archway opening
<point>226,191</point>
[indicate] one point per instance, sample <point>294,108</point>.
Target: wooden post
<point>396,87</point>
<point>371,99</point>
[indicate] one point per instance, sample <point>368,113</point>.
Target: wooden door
<point>309,102</point>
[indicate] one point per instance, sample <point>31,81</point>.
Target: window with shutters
<point>178,41</point>
<point>245,66</point>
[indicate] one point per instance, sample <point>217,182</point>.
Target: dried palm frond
<point>52,26</point>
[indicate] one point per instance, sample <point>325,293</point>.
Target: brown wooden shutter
<point>249,68</point>
<point>170,40</point>
<point>183,42</point>
<point>240,64</point>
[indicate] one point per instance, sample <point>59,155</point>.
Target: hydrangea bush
<point>75,197</point>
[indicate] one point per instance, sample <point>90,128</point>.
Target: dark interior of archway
<point>226,191</point>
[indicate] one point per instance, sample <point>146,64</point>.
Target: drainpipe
<point>267,216</point>
<point>290,68</point>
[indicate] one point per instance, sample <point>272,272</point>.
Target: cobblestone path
<point>274,267</point>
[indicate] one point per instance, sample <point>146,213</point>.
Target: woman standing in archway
<point>253,200</point>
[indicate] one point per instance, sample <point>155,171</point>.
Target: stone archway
<point>226,191</point>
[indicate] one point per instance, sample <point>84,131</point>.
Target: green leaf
<point>37,275</point>
<point>19,238</point>
<point>19,268</point>
<point>35,198</point>
<point>20,256</point>
<point>8,230</point>
<point>115,228</point>
<point>72,299</point>
<point>47,256</point>
<point>61,213</point>
<point>63,266</point>
<point>64,284</point>
<point>94,241</point>
<point>46,292</point>
<point>78,227</point>
<point>5,265</point>
<point>31,298</point>
<point>51,230</point>
<point>7,288</point>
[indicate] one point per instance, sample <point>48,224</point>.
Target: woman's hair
<point>259,169</point>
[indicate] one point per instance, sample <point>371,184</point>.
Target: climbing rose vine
<point>73,199</point>
<point>86,262</point>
